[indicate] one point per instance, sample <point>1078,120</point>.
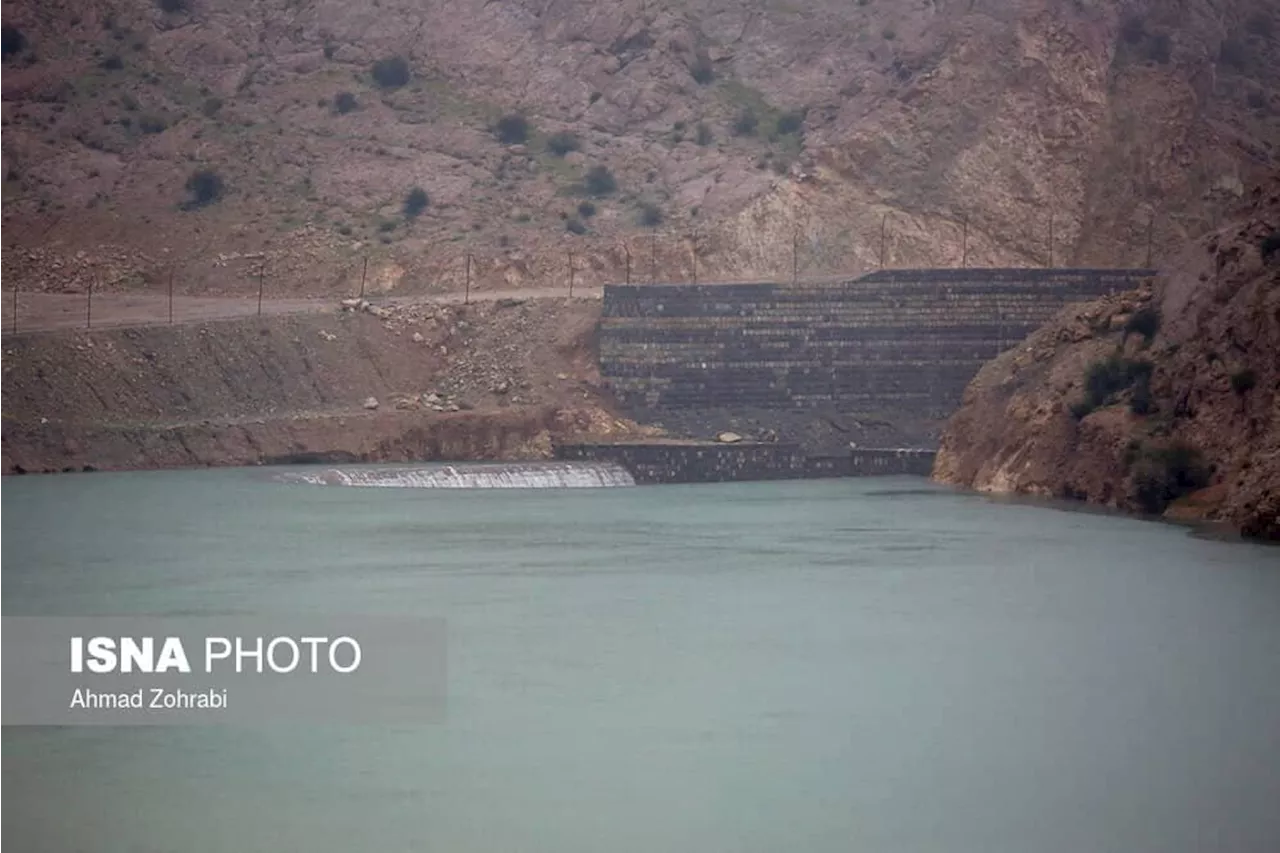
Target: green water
<point>843,665</point>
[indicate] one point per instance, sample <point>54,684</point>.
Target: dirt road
<point>40,312</point>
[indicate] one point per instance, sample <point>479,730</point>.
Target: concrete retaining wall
<point>905,339</point>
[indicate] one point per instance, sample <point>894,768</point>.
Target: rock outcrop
<point>1165,399</point>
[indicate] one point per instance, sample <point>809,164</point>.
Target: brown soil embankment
<point>498,380</point>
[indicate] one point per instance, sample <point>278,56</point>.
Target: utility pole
<point>88,307</point>
<point>262,274</point>
<point>1051,239</point>
<point>15,306</point>
<point>694,252</point>
<point>170,296</point>
<point>363,275</point>
<point>795,256</point>
<point>964,245</point>
<point>570,273</point>
<point>1151,223</point>
<point>653,240</point>
<point>466,296</point>
<point>626,251</point>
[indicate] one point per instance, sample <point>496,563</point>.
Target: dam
<point>807,364</point>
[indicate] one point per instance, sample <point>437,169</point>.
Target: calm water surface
<point>845,665</point>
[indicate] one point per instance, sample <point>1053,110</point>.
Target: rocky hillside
<point>1164,400</point>
<point>213,138</point>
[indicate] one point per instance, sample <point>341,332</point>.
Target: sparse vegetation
<point>204,187</point>
<point>1159,48</point>
<point>703,136</point>
<point>1234,54</point>
<point>702,71</point>
<point>512,129</point>
<point>1145,321</point>
<point>172,7</point>
<point>586,209</point>
<point>888,34</point>
<point>111,63</point>
<point>562,143</point>
<point>345,102</point>
<point>12,41</point>
<point>391,72</point>
<point>1164,474</point>
<point>415,202</point>
<point>1270,245</point>
<point>1260,25</point>
<point>746,123</point>
<point>1105,379</point>
<point>650,215</point>
<point>151,123</point>
<point>1133,30</point>
<point>1244,380</point>
<point>1256,100</point>
<point>599,181</point>
<point>790,122</point>
<point>211,106</point>
<point>575,226</point>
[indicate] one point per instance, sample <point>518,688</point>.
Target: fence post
<point>626,250</point>
<point>570,252</point>
<point>466,296</point>
<point>653,259</point>
<point>88,307</point>
<point>363,275</point>
<point>884,220</point>
<point>964,245</point>
<point>170,296</point>
<point>262,274</point>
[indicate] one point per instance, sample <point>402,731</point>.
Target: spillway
<point>509,475</point>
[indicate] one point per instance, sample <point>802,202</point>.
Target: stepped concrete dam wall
<point>897,345</point>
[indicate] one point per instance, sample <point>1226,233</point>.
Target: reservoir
<point>816,666</point>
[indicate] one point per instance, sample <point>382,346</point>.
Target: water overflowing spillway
<point>514,475</point>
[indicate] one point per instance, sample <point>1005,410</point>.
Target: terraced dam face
<point>502,475</point>
<point>901,340</point>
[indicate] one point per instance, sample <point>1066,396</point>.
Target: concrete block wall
<point>904,339</point>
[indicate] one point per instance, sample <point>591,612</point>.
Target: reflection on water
<point>866,665</point>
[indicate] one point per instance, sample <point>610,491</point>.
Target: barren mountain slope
<point>1165,399</point>
<point>932,112</point>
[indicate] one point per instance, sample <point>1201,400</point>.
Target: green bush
<point>151,123</point>
<point>1164,474</point>
<point>1109,377</point>
<point>12,41</point>
<point>562,143</point>
<point>391,72</point>
<point>701,70</point>
<point>599,181</point>
<point>746,123</point>
<point>790,122</point>
<point>650,215</point>
<point>345,102</point>
<point>204,187</point>
<point>512,129</point>
<point>1243,381</point>
<point>415,202</point>
<point>1145,321</point>
<point>1270,245</point>
<point>112,63</point>
<point>704,136</point>
<point>586,209</point>
<point>575,226</point>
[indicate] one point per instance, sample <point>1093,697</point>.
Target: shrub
<point>12,41</point>
<point>512,129</point>
<point>1164,474</point>
<point>344,102</point>
<point>386,226</point>
<point>1140,402</point>
<point>211,106</point>
<point>111,63</point>
<point>593,97</point>
<point>1260,25</point>
<point>575,226</point>
<point>562,143</point>
<point>586,209</point>
<point>172,7</point>
<point>701,70</point>
<point>1270,245</point>
<point>152,124</point>
<point>889,34</point>
<point>415,202</point>
<point>1242,381</point>
<point>1133,31</point>
<point>790,122</point>
<point>1233,53</point>
<point>599,181</point>
<point>330,49</point>
<point>1145,321</point>
<point>704,136</point>
<point>1104,379</point>
<point>205,187</point>
<point>746,123</point>
<point>1256,100</point>
<point>1159,48</point>
<point>392,72</point>
<point>650,215</point>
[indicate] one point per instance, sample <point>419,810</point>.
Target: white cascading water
<point>515,475</point>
